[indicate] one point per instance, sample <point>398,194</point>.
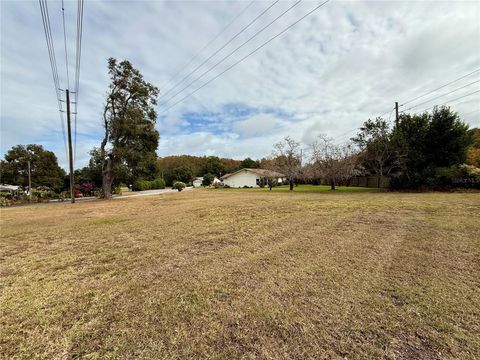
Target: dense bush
<point>117,189</point>
<point>5,199</point>
<point>440,178</point>
<point>37,195</point>
<point>141,185</point>
<point>44,195</point>
<point>457,176</point>
<point>179,185</point>
<point>208,179</point>
<point>158,183</point>
<point>87,188</point>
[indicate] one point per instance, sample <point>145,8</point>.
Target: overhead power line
<point>386,112</point>
<point>78,56</point>
<point>53,64</point>
<point>441,87</point>
<point>430,92</point>
<point>226,44</point>
<point>248,55</point>
<point>181,69</point>
<point>452,100</point>
<point>471,112</point>
<point>65,42</point>
<point>442,95</point>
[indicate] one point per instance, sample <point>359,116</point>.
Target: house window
<point>258,181</point>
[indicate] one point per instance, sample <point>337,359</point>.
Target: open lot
<point>243,274</point>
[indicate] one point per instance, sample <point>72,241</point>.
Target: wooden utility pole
<point>70,152</point>
<point>396,113</point>
<point>29,182</point>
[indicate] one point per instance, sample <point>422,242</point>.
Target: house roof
<point>6,187</point>
<point>261,172</point>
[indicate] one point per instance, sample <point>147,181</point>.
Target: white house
<point>251,177</point>
<point>197,182</point>
<point>6,187</point>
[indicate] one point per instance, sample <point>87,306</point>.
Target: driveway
<point>149,193</point>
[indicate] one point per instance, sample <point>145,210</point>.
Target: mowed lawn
<point>243,275</point>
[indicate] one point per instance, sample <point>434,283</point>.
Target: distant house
<point>11,188</point>
<point>197,182</point>
<point>251,177</point>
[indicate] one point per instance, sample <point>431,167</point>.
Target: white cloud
<point>255,125</point>
<point>349,61</point>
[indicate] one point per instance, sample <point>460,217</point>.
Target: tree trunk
<point>107,179</point>
<point>332,184</point>
<point>291,184</point>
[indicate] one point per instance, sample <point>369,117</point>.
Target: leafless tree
<point>287,159</point>
<point>331,161</point>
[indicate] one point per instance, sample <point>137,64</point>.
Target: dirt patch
<point>408,347</point>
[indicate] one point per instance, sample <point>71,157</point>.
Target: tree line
<point>434,150</point>
<point>419,150</point>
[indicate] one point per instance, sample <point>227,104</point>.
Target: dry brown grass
<point>253,275</point>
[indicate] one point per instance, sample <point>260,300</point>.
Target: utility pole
<point>70,152</point>
<point>396,113</point>
<point>29,182</point>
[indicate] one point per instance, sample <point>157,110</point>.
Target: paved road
<point>91,198</point>
<point>149,193</point>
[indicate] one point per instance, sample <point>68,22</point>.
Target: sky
<point>346,62</point>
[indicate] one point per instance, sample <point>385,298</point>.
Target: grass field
<point>243,274</point>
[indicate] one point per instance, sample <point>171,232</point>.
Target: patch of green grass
<point>310,189</point>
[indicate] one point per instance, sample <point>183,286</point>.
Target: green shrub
<point>41,195</point>
<point>208,179</point>
<point>141,185</point>
<point>179,185</point>
<point>117,189</point>
<point>5,199</point>
<point>158,183</point>
<point>469,170</point>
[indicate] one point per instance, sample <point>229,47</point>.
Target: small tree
<point>208,179</point>
<point>271,182</point>
<point>378,152</point>
<point>179,185</point>
<point>334,162</point>
<point>182,173</point>
<point>287,159</point>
